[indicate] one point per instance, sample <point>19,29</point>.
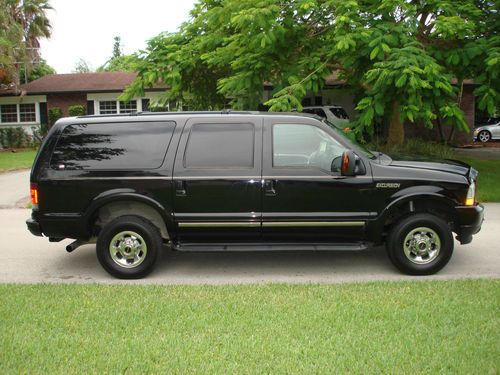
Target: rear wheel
<point>420,244</point>
<point>484,136</point>
<point>129,247</point>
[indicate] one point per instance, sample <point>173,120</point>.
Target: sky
<point>86,28</point>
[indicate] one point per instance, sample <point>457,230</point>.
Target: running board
<point>250,247</point>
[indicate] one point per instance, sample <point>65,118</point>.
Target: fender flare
<point>377,226</point>
<point>131,196</point>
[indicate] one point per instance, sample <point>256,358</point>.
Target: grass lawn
<point>401,327</point>
<point>21,159</point>
<point>488,185</point>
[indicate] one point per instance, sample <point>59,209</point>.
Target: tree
<point>123,63</point>
<point>400,55</point>
<point>118,61</point>
<point>82,66</point>
<point>22,24</point>
<point>117,47</point>
<point>40,69</point>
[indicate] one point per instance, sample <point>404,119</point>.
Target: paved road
<point>14,188</point>
<point>30,259</point>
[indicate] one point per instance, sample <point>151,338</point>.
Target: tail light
<point>471,194</point>
<point>34,194</point>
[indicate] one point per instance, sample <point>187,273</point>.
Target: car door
<point>217,179</point>
<point>496,131</point>
<point>303,200</point>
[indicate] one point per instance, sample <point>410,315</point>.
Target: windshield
<point>352,144</point>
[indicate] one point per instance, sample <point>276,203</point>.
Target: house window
<point>8,112</point>
<point>18,113</point>
<point>128,107</point>
<point>108,107</point>
<point>27,112</point>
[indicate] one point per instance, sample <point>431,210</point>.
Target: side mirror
<point>348,164</point>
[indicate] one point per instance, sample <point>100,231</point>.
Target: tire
<point>129,247</point>
<point>484,136</point>
<point>420,244</point>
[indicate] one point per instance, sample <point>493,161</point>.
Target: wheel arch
<point>107,208</point>
<point>430,202</point>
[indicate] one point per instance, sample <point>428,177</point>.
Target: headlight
<point>471,194</point>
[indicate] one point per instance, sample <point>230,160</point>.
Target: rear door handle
<point>269,188</point>
<point>180,188</point>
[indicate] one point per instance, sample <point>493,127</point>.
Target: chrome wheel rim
<point>422,245</point>
<point>484,136</point>
<point>128,249</point>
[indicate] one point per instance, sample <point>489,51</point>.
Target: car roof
<point>323,106</point>
<point>162,116</point>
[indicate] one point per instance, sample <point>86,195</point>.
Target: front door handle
<point>180,188</point>
<point>269,188</point>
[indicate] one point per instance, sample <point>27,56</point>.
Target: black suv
<point>242,181</point>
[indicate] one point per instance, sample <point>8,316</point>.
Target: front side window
<point>8,112</point>
<point>217,146</point>
<point>305,146</point>
<point>112,146</point>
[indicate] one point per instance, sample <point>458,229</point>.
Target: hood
<point>484,127</point>
<point>422,162</point>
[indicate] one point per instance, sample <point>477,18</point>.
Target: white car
<point>333,113</point>
<point>489,131</point>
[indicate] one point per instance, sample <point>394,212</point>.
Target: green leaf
<point>374,53</point>
<point>379,108</point>
<point>401,81</point>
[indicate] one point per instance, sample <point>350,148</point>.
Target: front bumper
<point>470,219</point>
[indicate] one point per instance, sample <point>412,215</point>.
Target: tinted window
<point>339,113</point>
<point>220,146</point>
<point>113,146</point>
<point>315,111</point>
<point>296,145</point>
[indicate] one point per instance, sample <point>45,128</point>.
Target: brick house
<point>97,92</point>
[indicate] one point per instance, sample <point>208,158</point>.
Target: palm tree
<point>22,25</point>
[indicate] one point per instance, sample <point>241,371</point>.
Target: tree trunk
<point>396,134</point>
<point>440,129</point>
<point>459,102</point>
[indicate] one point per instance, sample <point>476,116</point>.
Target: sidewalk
<point>14,188</point>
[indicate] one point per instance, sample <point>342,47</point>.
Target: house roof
<point>80,82</point>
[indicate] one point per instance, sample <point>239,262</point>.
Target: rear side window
<point>339,113</point>
<point>220,146</point>
<point>315,111</point>
<point>131,145</point>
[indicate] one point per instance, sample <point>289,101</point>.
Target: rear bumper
<point>470,219</point>
<point>34,227</point>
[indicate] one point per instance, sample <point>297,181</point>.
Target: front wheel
<point>421,244</point>
<point>129,247</point>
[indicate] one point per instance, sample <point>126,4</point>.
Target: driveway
<point>14,189</point>
<point>30,259</point>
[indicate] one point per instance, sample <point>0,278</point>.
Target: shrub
<point>77,110</point>
<point>15,138</point>
<point>54,115</point>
